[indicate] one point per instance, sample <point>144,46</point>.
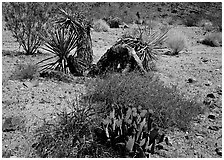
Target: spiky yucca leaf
<point>72,33</point>
<point>60,44</point>
<point>146,50</point>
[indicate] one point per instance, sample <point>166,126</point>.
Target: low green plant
<point>69,136</point>
<point>170,107</point>
<point>25,71</point>
<point>101,26</point>
<point>130,130</point>
<point>213,39</point>
<point>176,42</point>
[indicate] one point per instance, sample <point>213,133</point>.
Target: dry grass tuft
<point>25,71</point>
<point>213,39</point>
<point>176,42</point>
<point>101,26</point>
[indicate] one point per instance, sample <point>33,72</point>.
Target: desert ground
<point>32,104</point>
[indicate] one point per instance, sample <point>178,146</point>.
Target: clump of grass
<point>114,22</point>
<point>206,25</point>
<point>70,135</point>
<point>25,71</point>
<point>213,39</point>
<point>101,26</point>
<point>176,42</point>
<point>170,108</point>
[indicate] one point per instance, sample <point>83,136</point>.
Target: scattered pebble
<point>211,95</point>
<point>211,116</point>
<point>219,151</point>
<point>208,83</point>
<point>191,80</point>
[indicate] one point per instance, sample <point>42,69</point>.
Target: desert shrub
<point>67,136</point>
<point>101,26</point>
<point>213,39</point>
<point>113,22</point>
<point>70,135</point>
<point>176,42</point>
<point>206,25</point>
<point>25,20</point>
<point>25,71</point>
<point>191,20</point>
<point>169,107</point>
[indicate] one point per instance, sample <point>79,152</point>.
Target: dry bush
<point>176,42</point>
<point>101,26</point>
<point>25,71</point>
<point>213,39</point>
<point>170,107</point>
<point>206,25</point>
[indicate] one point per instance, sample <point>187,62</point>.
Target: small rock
<point>219,151</point>
<point>214,128</point>
<point>167,141</point>
<point>211,116</point>
<point>208,83</point>
<point>204,60</point>
<point>199,135</point>
<point>191,80</point>
<point>31,84</point>
<point>219,91</point>
<point>211,95</point>
<point>11,124</point>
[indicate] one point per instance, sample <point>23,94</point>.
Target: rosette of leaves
<point>146,48</point>
<point>130,130</point>
<point>70,41</point>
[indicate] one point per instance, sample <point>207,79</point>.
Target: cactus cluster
<point>130,130</point>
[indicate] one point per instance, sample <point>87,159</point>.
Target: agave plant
<point>70,42</point>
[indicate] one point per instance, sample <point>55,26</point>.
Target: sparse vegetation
<point>213,39</point>
<point>70,135</point>
<point>25,21</point>
<point>25,71</point>
<point>101,26</point>
<point>127,109</point>
<point>176,42</point>
<point>169,106</point>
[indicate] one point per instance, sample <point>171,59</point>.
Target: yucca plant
<point>61,43</point>
<point>70,42</point>
<point>145,49</point>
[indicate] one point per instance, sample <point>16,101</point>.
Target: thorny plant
<point>69,40</point>
<point>130,130</point>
